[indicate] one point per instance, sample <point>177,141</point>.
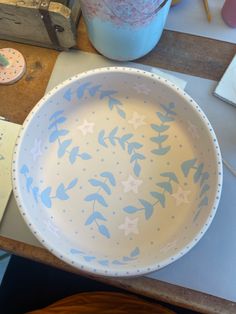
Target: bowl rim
<point>88,267</point>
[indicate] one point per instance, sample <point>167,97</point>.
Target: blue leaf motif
<point>159,128</point>
<point>198,173</point>
<point>205,176</point>
<point>164,118</point>
<point>116,262</point>
<point>159,139</point>
<point>81,89</point>
<point>72,184</point>
<point>137,169</point>
<point>130,148</point>
<point>133,146</point>
<point>61,192</point>
<point>73,154</point>
<point>121,113</point>
<point>45,197</point>
<point>137,156</point>
<point>95,215</point>
<point>29,182</point>
<point>148,208</point>
<point>160,197</point>
<point>168,109</point>
<point>75,251</point>
<point>113,102</point>
<point>56,114</point>
<point>166,186</point>
<point>89,258</point>
<point>124,139</point>
<point>137,145</point>
<point>68,95</point>
<point>104,231</point>
<point>101,140</point>
<point>135,252</point>
<point>85,156</point>
<point>57,121</point>
<point>127,258</point>
<point>93,90</point>
<point>56,134</point>
<point>204,202</point>
<point>161,150</point>
<point>110,177</point>
<point>171,176</point>
<point>35,192</point>
<point>96,197</point>
<point>62,148</point>
<point>107,93</point>
<point>24,169</point>
<point>101,184</point>
<point>112,135</point>
<point>205,188</point>
<point>187,165</point>
<point>104,262</point>
<point>130,209</point>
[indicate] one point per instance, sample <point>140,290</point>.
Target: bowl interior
<point>117,172</point>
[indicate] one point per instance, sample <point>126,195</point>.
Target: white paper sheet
<point>226,89</point>
<point>8,135</point>
<point>189,17</point>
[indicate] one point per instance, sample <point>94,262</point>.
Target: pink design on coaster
<point>13,68</point>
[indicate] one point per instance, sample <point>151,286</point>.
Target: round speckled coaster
<point>12,66</point>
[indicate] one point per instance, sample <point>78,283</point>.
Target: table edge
<point>148,287</point>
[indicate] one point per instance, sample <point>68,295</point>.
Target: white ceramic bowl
<point>117,172</point>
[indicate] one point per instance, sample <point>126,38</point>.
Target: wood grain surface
<point>176,51</point>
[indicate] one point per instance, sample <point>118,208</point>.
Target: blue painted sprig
<point>98,198</point>
<point>45,195</point>
<point>147,206</point>
<point>124,142</point>
<point>64,146</point>
<point>160,138</point>
<point>199,177</point>
<point>132,256</point>
<point>93,90</point>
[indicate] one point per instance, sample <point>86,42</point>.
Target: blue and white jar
<point>125,29</point>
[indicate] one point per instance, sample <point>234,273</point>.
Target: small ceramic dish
<point>117,172</point>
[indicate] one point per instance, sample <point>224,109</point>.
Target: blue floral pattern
<point>45,195</point>
<point>64,146</point>
<point>103,94</point>
<point>165,118</point>
<point>199,177</point>
<point>125,144</point>
<point>133,256</point>
<point>98,198</point>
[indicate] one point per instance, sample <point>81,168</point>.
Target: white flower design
<point>193,130</point>
<point>130,226</point>
<point>137,120</point>
<point>52,228</point>
<point>86,127</point>
<point>131,184</point>
<point>36,149</point>
<point>181,196</point>
<point>141,89</point>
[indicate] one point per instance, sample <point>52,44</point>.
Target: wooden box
<point>40,22</point>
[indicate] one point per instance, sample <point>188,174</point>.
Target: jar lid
<point>12,65</point>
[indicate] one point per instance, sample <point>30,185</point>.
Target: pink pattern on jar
<point>120,12</point>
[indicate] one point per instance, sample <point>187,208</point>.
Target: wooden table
<point>179,52</point>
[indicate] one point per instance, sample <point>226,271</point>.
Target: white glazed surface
<point>117,172</point>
